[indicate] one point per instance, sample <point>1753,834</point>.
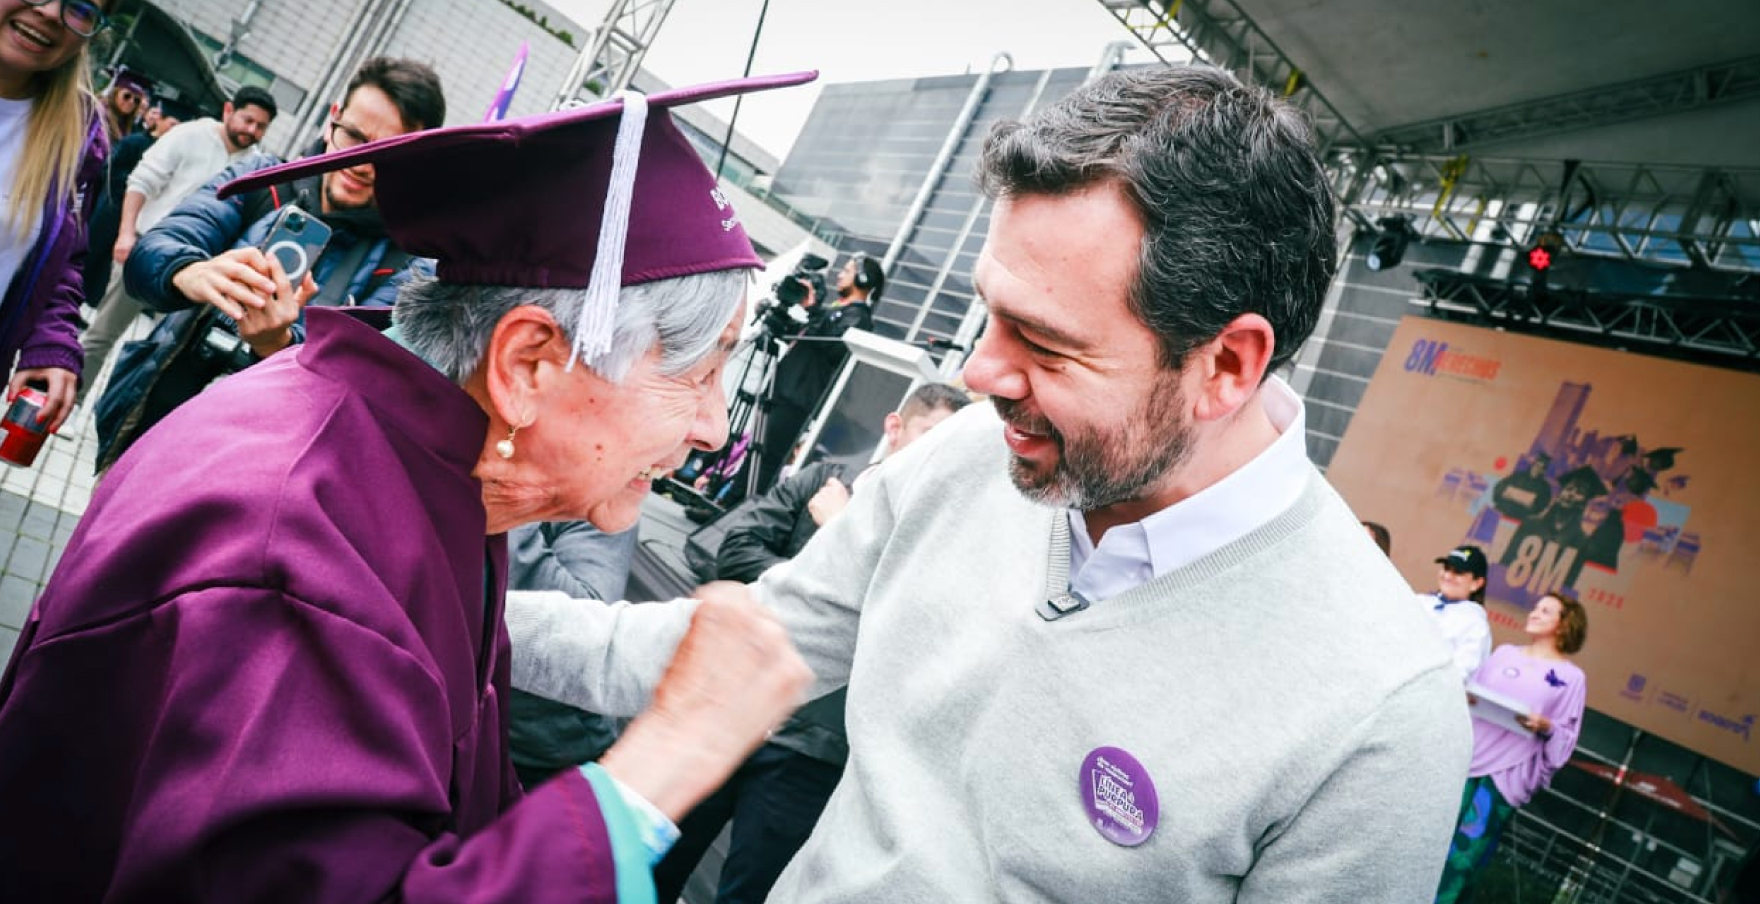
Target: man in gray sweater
<point>1112,638</point>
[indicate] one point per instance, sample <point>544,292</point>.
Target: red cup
<point>24,429</point>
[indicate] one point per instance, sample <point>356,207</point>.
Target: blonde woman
<point>51,149</point>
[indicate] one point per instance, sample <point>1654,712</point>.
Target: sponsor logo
<point>1675,702</point>
<point>1634,689</point>
<point>1743,726</point>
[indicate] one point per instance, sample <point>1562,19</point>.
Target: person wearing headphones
<point>811,363</point>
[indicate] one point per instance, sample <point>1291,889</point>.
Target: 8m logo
<point>1422,360</point>
<point>1432,358</point>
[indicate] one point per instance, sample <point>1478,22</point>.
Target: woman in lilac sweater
<point>51,149</point>
<point>1508,766</point>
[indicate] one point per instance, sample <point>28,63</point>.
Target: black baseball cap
<point>1468,559</point>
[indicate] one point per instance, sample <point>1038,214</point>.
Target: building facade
<point>885,168</point>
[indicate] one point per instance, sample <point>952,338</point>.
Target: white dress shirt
<point>1188,530</point>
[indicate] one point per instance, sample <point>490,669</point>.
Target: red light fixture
<point>1545,251</point>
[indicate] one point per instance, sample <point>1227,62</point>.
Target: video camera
<point>781,313</point>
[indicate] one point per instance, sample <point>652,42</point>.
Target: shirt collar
<point>1216,516</point>
<point>1443,602</point>
<point>426,406</point>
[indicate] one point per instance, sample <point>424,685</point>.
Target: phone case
<point>296,239</point>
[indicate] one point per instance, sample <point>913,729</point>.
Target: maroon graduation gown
<point>271,665</point>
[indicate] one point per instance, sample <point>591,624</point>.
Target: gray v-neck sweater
<point>1299,719</point>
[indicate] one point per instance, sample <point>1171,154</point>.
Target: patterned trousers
<point>1484,813</point>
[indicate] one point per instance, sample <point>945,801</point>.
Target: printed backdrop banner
<point>1632,482</point>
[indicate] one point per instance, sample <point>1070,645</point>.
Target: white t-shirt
<point>1465,625</point>
<point>14,117</point>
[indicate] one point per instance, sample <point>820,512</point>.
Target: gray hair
<point>1237,212</point>
<point>449,324</point>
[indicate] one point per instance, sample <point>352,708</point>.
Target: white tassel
<point>598,318</point>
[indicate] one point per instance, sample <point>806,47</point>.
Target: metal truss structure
<point>1661,214</point>
<point>1726,329</point>
<point>1670,215</point>
<point>610,59</point>
<point>1676,92</point>
<point>1217,32</point>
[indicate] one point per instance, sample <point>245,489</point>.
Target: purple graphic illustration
<point>1574,500</point>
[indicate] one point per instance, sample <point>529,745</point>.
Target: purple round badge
<point>1119,796</point>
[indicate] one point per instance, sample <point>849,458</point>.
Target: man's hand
<point>63,385</point>
<point>235,281</point>
<point>124,244</point>
<point>268,329</point>
<point>831,499</point>
<point>734,678</point>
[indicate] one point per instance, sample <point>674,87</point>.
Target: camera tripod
<point>745,459</point>
<point>739,461</point>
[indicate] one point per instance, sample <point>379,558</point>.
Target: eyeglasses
<point>82,17</point>
<point>344,136</point>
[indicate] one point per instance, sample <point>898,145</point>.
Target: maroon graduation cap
<point>556,199</point>
<point>125,77</point>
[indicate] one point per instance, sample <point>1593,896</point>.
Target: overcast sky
<point>850,41</point>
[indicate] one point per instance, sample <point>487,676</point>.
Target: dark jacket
<point>765,531</point>
<point>39,317</point>
<point>772,528</point>
<point>201,227</point>
<point>807,369</point>
<point>106,220</point>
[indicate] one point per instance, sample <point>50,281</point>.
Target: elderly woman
<point>272,663</point>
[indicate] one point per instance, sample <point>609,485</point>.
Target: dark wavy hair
<point>1238,216</point>
<point>414,88</point>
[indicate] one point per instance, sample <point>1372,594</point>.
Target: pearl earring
<point>504,448</point>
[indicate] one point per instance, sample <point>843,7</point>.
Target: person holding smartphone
<point>167,173</point>
<point>273,664</point>
<point>210,254</point>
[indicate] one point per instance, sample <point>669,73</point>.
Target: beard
<point>240,140</point>
<point>1098,466</point>
<point>337,202</point>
